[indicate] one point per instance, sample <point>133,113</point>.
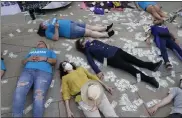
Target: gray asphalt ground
<point>130,102</point>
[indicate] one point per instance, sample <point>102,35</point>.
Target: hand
<point>152,110</point>
<point>41,58</point>
<point>32,58</point>
<point>109,89</point>
<point>100,75</point>
<point>70,114</point>
<point>56,25</point>
<point>148,41</point>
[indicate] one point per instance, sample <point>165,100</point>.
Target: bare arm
<point>51,61</point>
<point>69,113</point>
<point>56,34</point>
<point>164,102</point>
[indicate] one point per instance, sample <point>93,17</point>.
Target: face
<point>41,45</point>
<point>83,41</point>
<point>44,25</point>
<point>67,66</point>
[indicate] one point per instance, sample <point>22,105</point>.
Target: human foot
<point>109,27</point>
<point>111,33</point>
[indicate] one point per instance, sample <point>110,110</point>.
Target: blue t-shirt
<point>2,65</point>
<point>64,29</point>
<point>42,65</point>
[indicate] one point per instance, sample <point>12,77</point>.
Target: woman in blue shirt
<point>3,68</point>
<point>37,73</point>
<point>70,29</point>
<point>153,9</point>
<point>115,57</point>
<point>164,39</point>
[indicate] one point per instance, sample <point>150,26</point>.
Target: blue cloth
<point>145,4</point>
<point>43,52</point>
<point>41,81</point>
<point>156,30</point>
<point>64,29</point>
<point>77,30</point>
<point>99,51</point>
<point>164,42</point>
<point>3,65</point>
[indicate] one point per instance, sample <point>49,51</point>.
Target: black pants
<point>175,115</point>
<point>124,61</point>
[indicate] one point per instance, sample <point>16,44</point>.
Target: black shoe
<point>109,27</point>
<point>111,33</point>
<point>153,82</point>
<point>158,64</point>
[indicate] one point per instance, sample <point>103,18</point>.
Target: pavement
<point>128,101</point>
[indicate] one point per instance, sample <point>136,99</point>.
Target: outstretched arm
<point>164,102</point>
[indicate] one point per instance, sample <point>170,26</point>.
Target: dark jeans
<point>163,44</point>
<point>124,61</point>
<point>175,115</point>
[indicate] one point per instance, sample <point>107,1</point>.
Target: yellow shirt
<point>72,82</point>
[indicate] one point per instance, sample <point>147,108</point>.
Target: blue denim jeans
<point>41,81</point>
<point>77,30</point>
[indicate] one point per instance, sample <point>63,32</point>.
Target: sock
<point>109,27</point>
<point>111,33</point>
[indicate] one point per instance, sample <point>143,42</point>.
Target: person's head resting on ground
<point>42,28</point>
<point>41,44</point>
<point>157,22</point>
<point>80,44</point>
<point>180,86</point>
<point>65,67</point>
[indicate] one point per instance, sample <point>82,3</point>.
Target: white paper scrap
<point>30,30</point>
<point>11,35</point>
<point>5,52</point>
<point>138,77</point>
<point>48,102</point>
<point>114,104</point>
<point>18,30</point>
<point>4,81</point>
<point>34,22</point>
<point>52,84</point>
<point>71,13</point>
<point>28,109</point>
<point>57,52</point>
<point>170,80</point>
<point>173,74</point>
<point>30,21</point>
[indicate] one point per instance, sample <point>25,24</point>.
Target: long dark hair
<point>79,46</point>
<point>61,69</point>
<point>41,31</point>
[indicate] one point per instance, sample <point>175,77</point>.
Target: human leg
<point>41,86</point>
<point>159,11</point>
<point>175,47</point>
<point>118,62</point>
<point>96,28</point>
<point>2,73</point>
<point>87,112</point>
<point>106,108</point>
<point>96,34</point>
<point>150,9</point>
<point>133,60</point>
<point>23,86</point>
